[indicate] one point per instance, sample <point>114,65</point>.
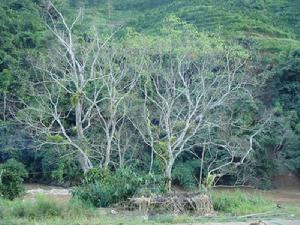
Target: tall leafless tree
<point>181,95</point>
<point>83,82</point>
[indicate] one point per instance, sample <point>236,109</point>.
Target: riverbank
<point>64,211</point>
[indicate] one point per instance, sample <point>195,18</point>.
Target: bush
<point>12,174</point>
<point>184,173</point>
<point>102,188</point>
<point>239,203</point>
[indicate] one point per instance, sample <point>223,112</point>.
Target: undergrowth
<point>240,203</point>
<point>44,211</point>
<point>40,208</point>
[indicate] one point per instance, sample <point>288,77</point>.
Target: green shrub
<point>185,173</point>
<point>12,174</point>
<point>102,188</point>
<point>239,203</point>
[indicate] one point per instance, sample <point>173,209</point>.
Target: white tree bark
<point>186,93</point>
<point>95,77</point>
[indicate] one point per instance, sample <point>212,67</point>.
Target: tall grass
<point>240,203</point>
<point>41,207</point>
<point>44,211</point>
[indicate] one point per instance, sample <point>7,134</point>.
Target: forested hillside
<point>197,92</point>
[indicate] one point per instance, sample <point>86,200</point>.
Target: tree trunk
<point>107,153</point>
<point>201,167</point>
<point>84,160</point>
<point>109,136</point>
<point>85,163</point>
<point>151,161</point>
<point>168,174</point>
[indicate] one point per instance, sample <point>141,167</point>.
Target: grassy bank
<point>241,203</point>
<point>229,206</point>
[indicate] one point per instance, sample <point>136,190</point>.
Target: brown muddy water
<point>289,194</point>
<point>287,189</point>
<point>56,193</point>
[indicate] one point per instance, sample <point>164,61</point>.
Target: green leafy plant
<point>184,173</point>
<point>103,188</point>
<point>12,174</point>
<point>210,180</point>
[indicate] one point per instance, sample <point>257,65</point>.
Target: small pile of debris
<point>177,203</point>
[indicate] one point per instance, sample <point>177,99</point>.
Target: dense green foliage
<point>267,32</point>
<point>12,174</point>
<point>102,188</point>
<point>22,36</point>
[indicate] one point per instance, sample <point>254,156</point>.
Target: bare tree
<point>182,93</point>
<point>127,143</point>
<point>80,82</point>
<point>226,147</point>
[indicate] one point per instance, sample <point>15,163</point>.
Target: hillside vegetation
<point>273,24</point>
<point>192,93</point>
